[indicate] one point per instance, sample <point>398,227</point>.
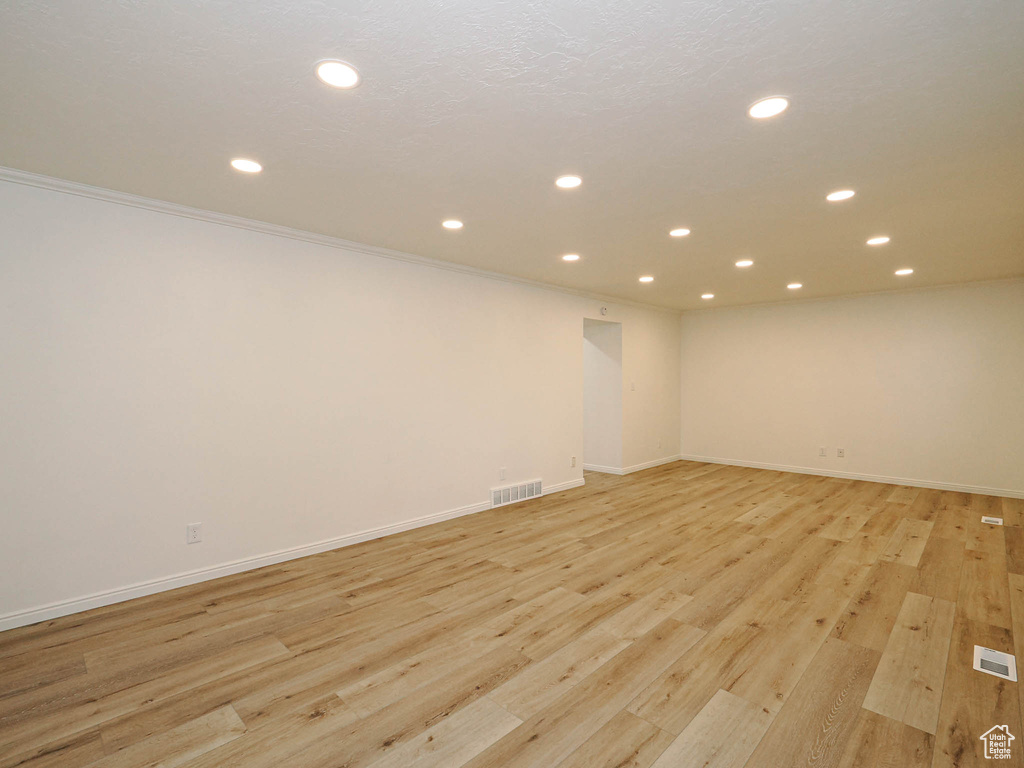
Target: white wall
<point>926,387</point>
<point>650,396</point>
<point>602,395</point>
<point>158,370</point>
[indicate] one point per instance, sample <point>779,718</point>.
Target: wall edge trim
<point>27,178</point>
<point>55,610</point>
<point>557,487</point>
<point>633,468</point>
<point>934,484</point>
<point>603,469</point>
<point>652,463</point>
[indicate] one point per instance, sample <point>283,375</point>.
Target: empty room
<point>511,385</point>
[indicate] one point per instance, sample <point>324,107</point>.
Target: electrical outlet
<point>193,533</point>
<point>501,473</point>
<point>841,453</point>
<point>573,461</point>
<point>822,452</point>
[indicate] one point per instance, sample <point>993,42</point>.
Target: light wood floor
<point>688,615</point>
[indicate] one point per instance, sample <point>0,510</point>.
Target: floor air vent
<point>512,493</point>
<point>995,663</point>
<point>991,520</point>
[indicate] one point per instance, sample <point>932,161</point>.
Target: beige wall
<point>924,387</point>
<point>650,395</point>
<point>602,395</point>
<point>158,370</point>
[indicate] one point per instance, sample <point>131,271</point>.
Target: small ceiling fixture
<point>571,257</point>
<point>568,182</point>
<point>338,74</point>
<point>880,240</point>
<point>769,107</point>
<point>795,286</point>
<point>451,224</point>
<point>745,263</point>
<point>707,295</point>
<point>904,271</point>
<point>245,165</point>
<point>681,232</point>
<point>646,279</point>
<point>840,194</point>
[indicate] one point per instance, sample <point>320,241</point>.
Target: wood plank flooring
<point>688,615</point>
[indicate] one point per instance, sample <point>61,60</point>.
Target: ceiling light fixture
<point>769,107</point>
<point>338,74</point>
<point>452,224</point>
<point>568,182</point>
<point>707,295</point>
<point>571,257</point>
<point>246,166</point>
<point>646,279</point>
<point>795,286</point>
<point>681,232</point>
<point>745,263</point>
<point>905,271</point>
<point>840,194</point>
<point>880,240</point>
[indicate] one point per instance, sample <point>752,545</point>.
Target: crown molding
<point>854,296</point>
<point>26,178</point>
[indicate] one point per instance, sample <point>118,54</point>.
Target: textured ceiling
<point>471,108</point>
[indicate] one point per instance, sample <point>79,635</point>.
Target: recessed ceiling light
<point>452,224</point>
<point>769,107</point>
<point>795,286</point>
<point>246,166</point>
<point>681,232</point>
<point>840,194</point>
<point>571,257</point>
<point>707,295</point>
<point>338,73</point>
<point>881,240</point>
<point>745,263</point>
<point>568,182</point>
<point>646,279</point>
<point>906,271</point>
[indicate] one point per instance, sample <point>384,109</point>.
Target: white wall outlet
<point>841,453</point>
<point>193,533</point>
<point>822,452</point>
<point>501,473</point>
<point>573,462</point>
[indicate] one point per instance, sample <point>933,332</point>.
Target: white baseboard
<point>604,469</point>
<point>855,476</point>
<point>109,597</point>
<point>563,486</point>
<point>649,464</point>
<point>99,599</point>
<point>633,468</point>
